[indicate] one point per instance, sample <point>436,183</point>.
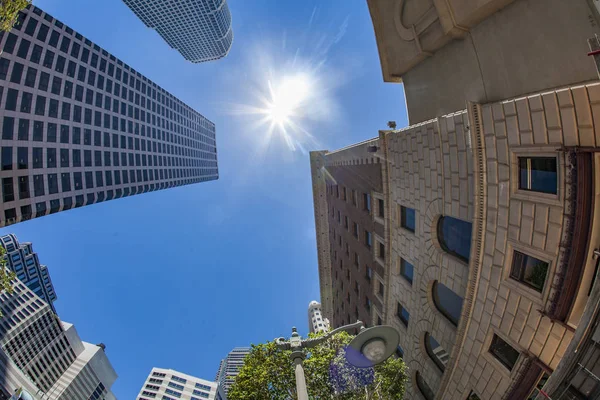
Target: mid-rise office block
<point>170,384</point>
<point>25,264</point>
<point>316,321</point>
<point>45,356</point>
<point>230,367</point>
<point>199,29</point>
<point>80,126</point>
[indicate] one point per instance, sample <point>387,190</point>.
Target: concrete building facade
<point>230,367</point>
<point>316,321</point>
<point>45,356</point>
<point>25,264</point>
<point>199,29</point>
<point>168,384</point>
<point>79,126</point>
<point>490,200</point>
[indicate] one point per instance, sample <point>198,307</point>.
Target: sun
<point>287,99</point>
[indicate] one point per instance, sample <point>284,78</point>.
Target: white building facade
<point>168,384</point>
<point>316,321</point>
<point>45,356</point>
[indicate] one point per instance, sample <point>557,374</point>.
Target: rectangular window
<point>22,157</point>
<point>38,185</point>
<point>406,270</point>
<point>23,49</point>
<point>402,314</point>
<point>89,180</point>
<point>367,202</point>
<point>381,250</point>
<point>17,73</point>
<point>529,270</point>
<point>26,102</point>
<point>538,174</point>
<point>8,190</point>
<point>381,289</point>
<point>52,183</point>
<point>11,99</point>
<point>504,352</point>
<point>51,133</point>
<point>66,182</point>
<point>60,64</point>
<point>48,59</point>
<point>7,156</point>
<point>368,239</point>
<point>40,105</point>
<point>24,187</point>
<point>53,108</point>
<point>38,131</point>
<point>36,54</point>
<point>76,158</point>
<point>50,158</point>
<point>64,158</point>
<point>38,162</point>
<point>30,77</point>
<point>380,208</point>
<point>407,218</point>
<point>43,33</point>
<point>54,36</point>
<point>11,41</point>
<point>44,81</point>
<point>23,133</point>
<point>355,229</point>
<point>8,128</point>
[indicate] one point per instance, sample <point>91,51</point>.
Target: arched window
<point>436,352</point>
<point>454,236</point>
<point>447,302</point>
<point>424,387</point>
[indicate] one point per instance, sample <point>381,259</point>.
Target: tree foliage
<point>6,276</point>
<point>268,373</point>
<point>9,9</point>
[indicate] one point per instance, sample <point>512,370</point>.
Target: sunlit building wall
<point>487,227</point>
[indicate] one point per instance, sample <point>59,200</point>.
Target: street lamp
<point>373,346</point>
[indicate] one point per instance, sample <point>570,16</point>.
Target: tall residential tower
<point>199,29</point>
<point>79,126</point>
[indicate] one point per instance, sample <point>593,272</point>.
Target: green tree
<point>6,276</point>
<point>9,9</point>
<point>268,373</point>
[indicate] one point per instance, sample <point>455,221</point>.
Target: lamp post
<point>374,345</point>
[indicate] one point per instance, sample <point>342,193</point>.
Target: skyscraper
<point>41,354</point>
<point>316,321</point>
<point>79,126</point>
<point>25,263</point>
<point>230,367</point>
<point>170,384</point>
<point>199,29</point>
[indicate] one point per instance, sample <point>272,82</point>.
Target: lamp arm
<point>282,344</point>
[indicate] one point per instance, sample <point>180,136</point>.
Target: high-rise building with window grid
<point>199,29</point>
<point>80,126</point>
<point>45,356</point>
<point>25,264</point>
<point>230,367</point>
<point>170,384</point>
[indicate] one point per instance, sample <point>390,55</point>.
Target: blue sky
<point>177,278</point>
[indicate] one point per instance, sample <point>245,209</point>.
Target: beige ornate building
<point>482,241</point>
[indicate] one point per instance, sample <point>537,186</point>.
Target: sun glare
<point>287,99</point>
